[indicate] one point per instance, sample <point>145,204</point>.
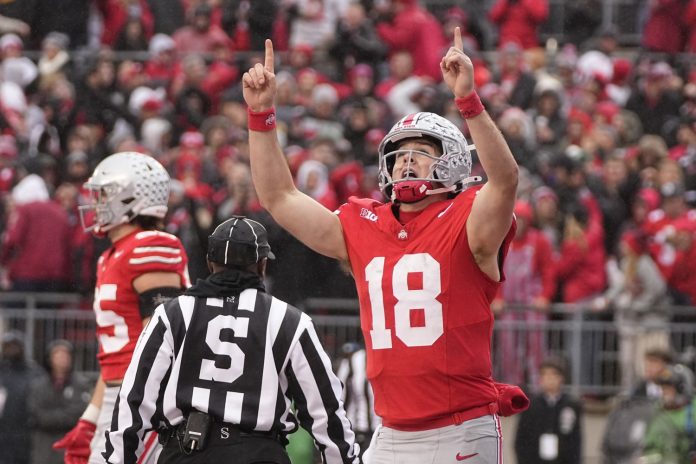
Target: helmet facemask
<point>449,171</point>
<point>110,205</point>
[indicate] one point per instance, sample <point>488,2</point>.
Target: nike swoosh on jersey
<point>464,458</point>
<point>442,213</point>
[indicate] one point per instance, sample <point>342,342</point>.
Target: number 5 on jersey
<point>407,299</point>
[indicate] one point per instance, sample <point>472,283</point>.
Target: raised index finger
<point>269,62</point>
<point>458,44</point>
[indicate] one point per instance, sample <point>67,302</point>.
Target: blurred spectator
<point>162,65</point>
<point>15,67</point>
<point>473,33</point>
<point>117,13</point>
<point>55,59</point>
<point>637,295</point>
<point>17,16</point>
<point>314,22</point>
<point>401,88</point>
<point>515,81</point>
<point>580,265</point>
<point>653,100</point>
<point>551,429</point>
<point>655,363</point>
<point>132,37</point>
<point>35,225</point>
<point>16,376</point>
<point>618,89</point>
<point>518,131</point>
<point>321,120</point>
<point>56,400</point>
<point>662,226</point>
<point>519,20</point>
<point>69,17</point>
<point>614,187</point>
<point>548,119</point>
<point>200,36</point>
<point>547,217</point>
<point>356,41</point>
<point>414,29</point>
<point>663,29</point>
<point>524,298</point>
<point>313,180</point>
<point>252,18</point>
<point>670,436</point>
<point>99,102</point>
<point>192,102</point>
<point>169,15</point>
<point>581,20</point>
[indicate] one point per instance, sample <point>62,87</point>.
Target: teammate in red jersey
<point>141,269</point>
<point>427,265</point>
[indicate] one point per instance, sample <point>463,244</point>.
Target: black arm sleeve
<point>150,299</point>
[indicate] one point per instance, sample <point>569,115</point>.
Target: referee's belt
<point>452,419</point>
<point>221,434</point>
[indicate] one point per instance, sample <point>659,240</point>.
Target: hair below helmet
<point>125,185</point>
<point>452,169</point>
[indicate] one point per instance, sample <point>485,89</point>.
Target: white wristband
<point>91,414</point>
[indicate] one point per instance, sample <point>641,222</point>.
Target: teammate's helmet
<point>123,186</point>
<point>452,169</point>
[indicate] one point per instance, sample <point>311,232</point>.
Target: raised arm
<point>491,213</point>
<point>299,214</point>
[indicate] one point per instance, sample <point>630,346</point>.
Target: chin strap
<point>411,191</point>
<point>451,188</point>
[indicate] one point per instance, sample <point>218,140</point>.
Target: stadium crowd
<point>605,136</point>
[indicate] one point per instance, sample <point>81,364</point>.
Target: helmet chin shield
<point>411,191</point>
<point>450,171</point>
<point>123,186</point>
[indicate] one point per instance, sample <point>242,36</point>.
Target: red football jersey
<point>424,309</point>
<point>116,303</point>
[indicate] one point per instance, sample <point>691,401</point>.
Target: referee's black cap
<point>239,242</point>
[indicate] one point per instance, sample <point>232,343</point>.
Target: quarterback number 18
<point>406,300</point>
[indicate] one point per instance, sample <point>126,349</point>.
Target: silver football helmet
<point>123,186</point>
<point>452,169</point>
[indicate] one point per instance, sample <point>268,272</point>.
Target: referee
<point>216,370</point>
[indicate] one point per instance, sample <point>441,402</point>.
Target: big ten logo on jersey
<point>369,215</point>
<point>218,340</point>
<point>408,301</point>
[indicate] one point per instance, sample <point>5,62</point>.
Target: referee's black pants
<point>244,450</point>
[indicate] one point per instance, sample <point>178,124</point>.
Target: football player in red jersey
<point>143,267</point>
<point>427,265</point>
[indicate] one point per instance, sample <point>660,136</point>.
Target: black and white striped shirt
<point>242,359</point>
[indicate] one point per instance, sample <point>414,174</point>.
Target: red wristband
<point>262,121</point>
<point>469,106</point>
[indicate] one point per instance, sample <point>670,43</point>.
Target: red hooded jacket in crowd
<point>663,28</point>
<point>581,265</point>
<point>690,21</point>
<point>35,246</point>
<point>519,20</point>
<point>414,29</point>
